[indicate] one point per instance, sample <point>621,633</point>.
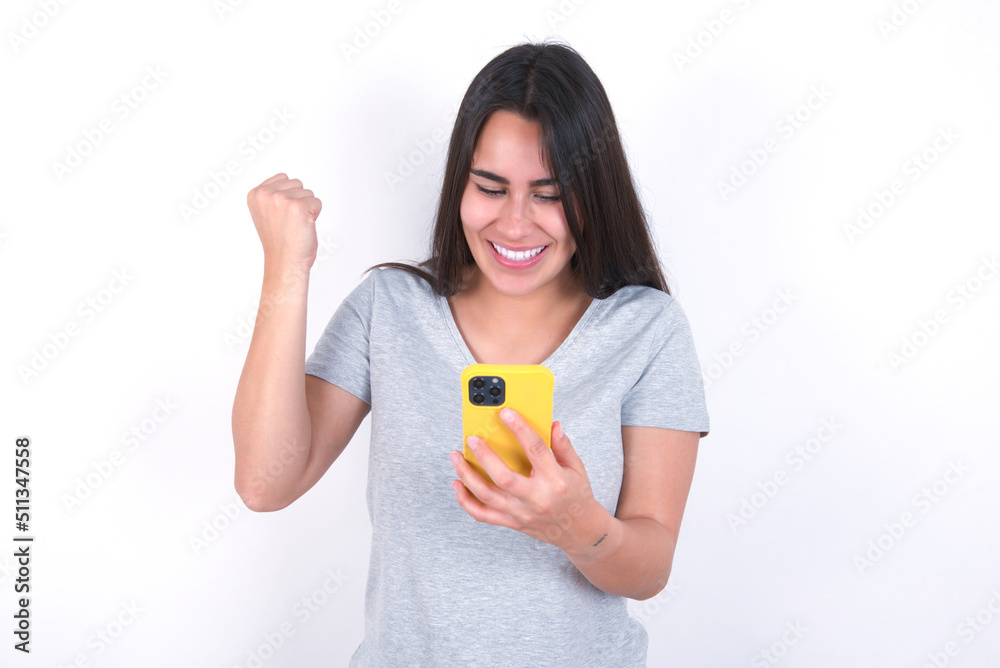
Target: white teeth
<point>518,256</point>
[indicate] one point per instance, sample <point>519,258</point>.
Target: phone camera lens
<point>478,398</point>
<point>494,391</point>
<point>479,383</point>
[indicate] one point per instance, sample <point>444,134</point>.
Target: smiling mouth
<point>517,256</point>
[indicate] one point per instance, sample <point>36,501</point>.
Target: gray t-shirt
<point>444,589</point>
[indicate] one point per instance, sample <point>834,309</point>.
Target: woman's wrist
<point>595,533</point>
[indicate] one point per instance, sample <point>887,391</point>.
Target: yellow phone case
<point>527,388</point>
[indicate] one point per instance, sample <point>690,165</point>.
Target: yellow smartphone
<point>486,389</point>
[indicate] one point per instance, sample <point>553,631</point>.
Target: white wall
<point>903,449</point>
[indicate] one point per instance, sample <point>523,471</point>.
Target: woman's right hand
<point>284,214</point>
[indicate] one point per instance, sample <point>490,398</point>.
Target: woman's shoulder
<point>401,282</point>
<point>400,274</point>
<point>641,302</point>
<point>641,310</point>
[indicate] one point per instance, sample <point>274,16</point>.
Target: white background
<point>124,539</point>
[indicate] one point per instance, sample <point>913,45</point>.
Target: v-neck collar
<point>466,352</point>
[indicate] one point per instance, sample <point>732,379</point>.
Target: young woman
<point>541,255</point>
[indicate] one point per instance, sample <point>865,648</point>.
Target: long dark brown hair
<point>551,84</point>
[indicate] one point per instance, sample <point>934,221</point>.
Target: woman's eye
<point>548,199</point>
<point>487,191</point>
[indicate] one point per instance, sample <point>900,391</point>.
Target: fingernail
<point>506,414</point>
<point>473,442</point>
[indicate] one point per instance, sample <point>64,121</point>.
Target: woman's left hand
<point>554,504</point>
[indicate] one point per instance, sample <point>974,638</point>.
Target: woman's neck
<point>516,329</point>
<point>515,314</point>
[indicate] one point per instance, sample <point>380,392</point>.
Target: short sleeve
<point>670,392</point>
<point>341,355</point>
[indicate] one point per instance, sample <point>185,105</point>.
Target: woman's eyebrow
<point>499,179</point>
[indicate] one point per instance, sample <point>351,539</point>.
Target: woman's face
<point>512,210</point>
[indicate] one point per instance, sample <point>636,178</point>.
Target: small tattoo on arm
<point>599,540</point>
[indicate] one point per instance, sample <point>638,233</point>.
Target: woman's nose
<point>515,217</point>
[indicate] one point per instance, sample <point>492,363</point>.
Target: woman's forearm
<point>270,417</point>
<point>630,557</point>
